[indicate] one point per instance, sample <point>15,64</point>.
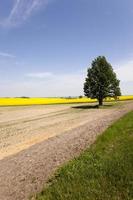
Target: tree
<point>101,81</point>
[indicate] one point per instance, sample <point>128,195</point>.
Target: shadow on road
<point>92,106</point>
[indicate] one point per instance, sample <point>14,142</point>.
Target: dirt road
<point>35,140</point>
<point>21,127</point>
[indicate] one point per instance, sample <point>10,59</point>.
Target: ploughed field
<point>36,140</point>
<point>24,126</point>
<point>21,127</point>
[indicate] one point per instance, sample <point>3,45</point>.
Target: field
<point>24,126</point>
<point>36,140</point>
<point>105,171</point>
<point>47,101</point>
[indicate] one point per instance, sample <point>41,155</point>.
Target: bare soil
<point>35,140</point>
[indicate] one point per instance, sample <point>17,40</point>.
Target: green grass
<point>102,172</point>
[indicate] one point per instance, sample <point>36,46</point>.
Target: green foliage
<point>103,172</point>
<point>101,81</point>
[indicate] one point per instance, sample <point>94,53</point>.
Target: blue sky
<point>46,46</point>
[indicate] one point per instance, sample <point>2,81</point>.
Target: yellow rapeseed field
<point>47,101</point>
<point>42,101</point>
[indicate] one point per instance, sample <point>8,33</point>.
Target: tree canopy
<point>101,80</point>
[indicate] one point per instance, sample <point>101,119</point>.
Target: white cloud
<point>6,55</point>
<point>21,11</point>
<point>56,85</point>
<point>46,84</point>
<point>127,88</point>
<point>39,75</point>
<point>125,71</point>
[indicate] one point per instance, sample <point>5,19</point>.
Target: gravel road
<point>35,140</point>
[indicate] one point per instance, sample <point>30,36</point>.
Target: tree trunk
<point>100,101</point>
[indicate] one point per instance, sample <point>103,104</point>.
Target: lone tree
<point>101,81</point>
